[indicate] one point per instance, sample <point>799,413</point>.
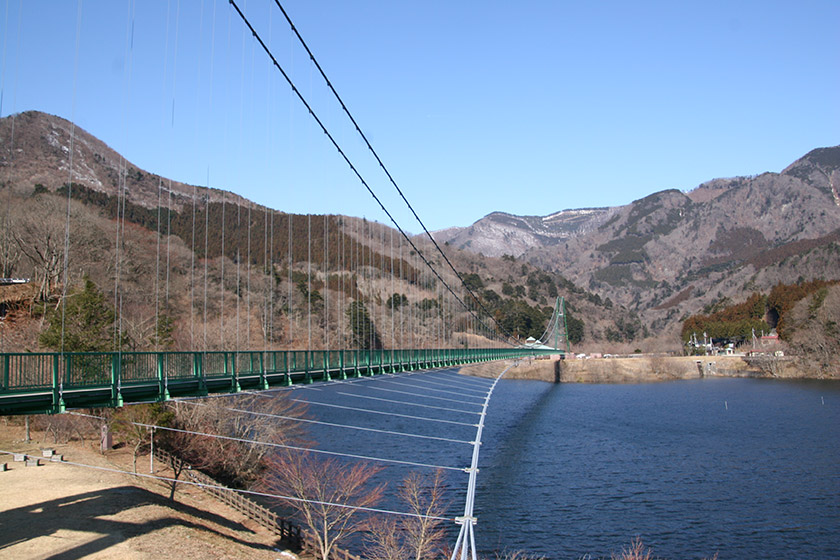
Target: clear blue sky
<point>526,107</point>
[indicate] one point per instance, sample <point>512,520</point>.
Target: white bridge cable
<point>357,380</point>
<point>481,398</point>
<point>316,386</point>
<point>450,385</point>
<point>285,446</point>
<point>430,378</point>
<point>458,380</point>
<point>462,378</point>
<point>268,393</point>
<point>248,492</point>
<point>425,396</point>
<point>383,413</point>
<point>406,403</point>
<point>336,425</point>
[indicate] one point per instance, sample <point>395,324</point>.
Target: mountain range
<point>630,271</point>
<point>672,253</point>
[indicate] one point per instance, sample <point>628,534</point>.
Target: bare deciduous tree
<point>425,497</point>
<point>419,536</point>
<point>65,427</point>
<point>128,423</point>
<point>327,495</point>
<point>9,249</point>
<point>259,417</point>
<point>235,459</point>
<point>384,541</point>
<point>39,232</point>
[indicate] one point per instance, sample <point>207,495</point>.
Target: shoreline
<point>640,369</point>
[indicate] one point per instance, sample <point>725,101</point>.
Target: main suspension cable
<point>352,166</point>
<point>385,170</point>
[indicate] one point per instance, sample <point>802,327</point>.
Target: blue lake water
<point>739,467</point>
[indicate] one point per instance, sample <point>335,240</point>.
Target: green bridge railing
<point>39,383</point>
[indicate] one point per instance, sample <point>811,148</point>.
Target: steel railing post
<point>58,387</point>
<point>116,380</point>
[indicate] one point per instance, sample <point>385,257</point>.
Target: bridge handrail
<point>196,373</point>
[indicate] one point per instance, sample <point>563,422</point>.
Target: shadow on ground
<point>86,512</point>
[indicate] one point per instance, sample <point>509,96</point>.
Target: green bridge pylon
<point>556,334</point>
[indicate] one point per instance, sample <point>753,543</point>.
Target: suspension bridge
<point>51,383</point>
<point>261,300</point>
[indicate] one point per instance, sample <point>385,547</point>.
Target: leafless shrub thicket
<point>62,428</point>
<point>241,419</point>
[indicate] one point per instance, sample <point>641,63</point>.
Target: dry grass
<point>636,551</point>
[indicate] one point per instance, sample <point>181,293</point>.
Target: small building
<point>771,339</point>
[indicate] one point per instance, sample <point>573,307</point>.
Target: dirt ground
<point>60,511</point>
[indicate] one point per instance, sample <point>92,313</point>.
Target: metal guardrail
<point>48,383</point>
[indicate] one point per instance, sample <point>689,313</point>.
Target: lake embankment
<point>637,369</point>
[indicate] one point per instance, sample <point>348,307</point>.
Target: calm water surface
<point>744,468</point>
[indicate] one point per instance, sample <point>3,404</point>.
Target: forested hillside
<point>207,268</point>
<point>194,267</point>
<point>805,315</point>
<point>671,254</point>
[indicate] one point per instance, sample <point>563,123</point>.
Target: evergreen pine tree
<point>365,336</point>
<point>87,326</point>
